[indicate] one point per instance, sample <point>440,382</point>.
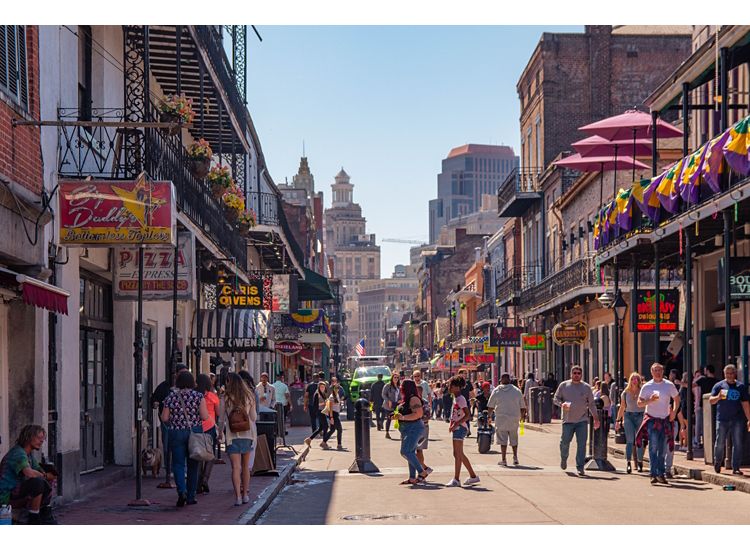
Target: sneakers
<point>717,468</point>
<point>181,500</point>
<point>515,461</point>
<point>669,475</point>
<point>245,499</point>
<point>324,445</point>
<point>238,502</point>
<point>503,462</point>
<point>738,472</point>
<point>46,517</point>
<point>472,481</point>
<point>662,480</point>
<point>654,481</point>
<point>453,483</point>
<point>563,464</point>
<point>581,472</point>
<point>308,441</point>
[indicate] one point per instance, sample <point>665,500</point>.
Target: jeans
<point>631,424</point>
<point>379,415</point>
<point>322,425</point>
<point>656,445</point>
<point>313,420</point>
<point>410,434</point>
<point>734,429</point>
<point>335,427</point>
<point>165,448</point>
<point>698,425</point>
<point>178,445</point>
<point>581,430</point>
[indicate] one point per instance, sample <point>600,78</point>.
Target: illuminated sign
<point>533,341</point>
<point>569,333</point>
<point>643,314</point>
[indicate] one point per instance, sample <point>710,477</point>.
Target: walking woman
<point>320,403</point>
<point>390,400</point>
<point>458,428</point>
<point>333,410</point>
<point>209,427</point>
<point>630,415</point>
<point>184,410</point>
<point>410,411</point>
<point>242,435</point>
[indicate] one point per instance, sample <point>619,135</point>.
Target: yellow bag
<point>521,431</point>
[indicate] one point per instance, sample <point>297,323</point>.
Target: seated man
<point>23,482</point>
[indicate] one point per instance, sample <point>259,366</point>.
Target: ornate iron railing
<point>520,180</point>
<point>580,273</point>
<point>266,207</point>
<point>485,310</point>
<point>517,279</point>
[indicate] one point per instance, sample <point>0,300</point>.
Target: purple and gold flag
<point>666,191</point>
<point>689,183</point>
<point>712,165</point>
<point>646,199</point>
<point>624,209</point>
<point>736,148</point>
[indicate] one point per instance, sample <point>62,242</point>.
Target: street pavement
<point>322,491</point>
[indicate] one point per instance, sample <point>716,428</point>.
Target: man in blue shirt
<point>732,408</point>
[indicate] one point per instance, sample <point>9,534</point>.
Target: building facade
<point>382,305</point>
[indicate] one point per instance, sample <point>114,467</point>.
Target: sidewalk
<point>109,506</point>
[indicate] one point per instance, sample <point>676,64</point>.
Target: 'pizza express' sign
<point>256,295</point>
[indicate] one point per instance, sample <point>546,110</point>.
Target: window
<point>13,71</point>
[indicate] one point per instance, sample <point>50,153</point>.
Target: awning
<point>313,287</point>
<point>37,293</point>
<point>213,330</point>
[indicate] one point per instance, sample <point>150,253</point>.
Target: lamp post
<point>620,308</point>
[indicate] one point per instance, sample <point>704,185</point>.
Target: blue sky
<point>386,103</point>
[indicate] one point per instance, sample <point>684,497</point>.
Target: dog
<point>151,459</point>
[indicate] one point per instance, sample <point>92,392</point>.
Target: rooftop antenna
<point>303,147</point>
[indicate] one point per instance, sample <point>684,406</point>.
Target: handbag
<point>200,445</point>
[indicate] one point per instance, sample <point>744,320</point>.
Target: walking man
<point>576,399</point>
<point>376,395</point>
<point>283,396</point>
<point>658,420</point>
<point>506,401</point>
<point>310,390</point>
<point>732,418</point>
<point>265,392</point>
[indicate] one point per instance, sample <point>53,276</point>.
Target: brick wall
<point>20,148</point>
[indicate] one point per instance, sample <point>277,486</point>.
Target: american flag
<point>360,349</point>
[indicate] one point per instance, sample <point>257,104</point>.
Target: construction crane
<point>404,241</point>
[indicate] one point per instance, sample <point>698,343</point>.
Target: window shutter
<point>3,57</point>
<point>13,66</point>
<point>12,61</point>
<point>23,81</point>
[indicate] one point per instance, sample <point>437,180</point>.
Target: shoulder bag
<point>200,445</point>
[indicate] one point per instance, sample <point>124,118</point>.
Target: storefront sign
<point>106,213</point>
<point>158,271</point>
<point>643,313</point>
<point>506,336</point>
<point>569,333</point>
<point>221,344</point>
<point>281,288</point>
<point>288,347</point>
<point>238,295</point>
<point>739,279</point>
<point>533,341</point>
<point>477,358</point>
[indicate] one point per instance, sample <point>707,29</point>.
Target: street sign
<point>739,279</point>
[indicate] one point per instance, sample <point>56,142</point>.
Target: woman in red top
<point>205,387</point>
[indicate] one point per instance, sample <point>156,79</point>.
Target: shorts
<point>504,435</point>
<point>459,434</point>
<point>240,446</point>
<point>424,440</point>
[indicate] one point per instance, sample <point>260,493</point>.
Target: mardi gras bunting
<point>712,166</point>
<point>689,182</point>
<point>625,209</point>
<point>666,191</point>
<point>736,147</point>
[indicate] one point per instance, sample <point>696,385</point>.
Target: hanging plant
<point>234,203</point>
<point>220,179</point>
<point>246,221</point>
<point>199,156</point>
<point>177,108</point>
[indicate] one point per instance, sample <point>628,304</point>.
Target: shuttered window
<point>13,74</point>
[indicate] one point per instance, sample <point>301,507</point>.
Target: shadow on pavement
<point>520,467</point>
<point>588,476</point>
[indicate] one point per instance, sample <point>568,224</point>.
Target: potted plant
<point>234,203</point>
<point>220,179</point>
<point>199,154</point>
<point>179,109</point>
<point>246,221</point>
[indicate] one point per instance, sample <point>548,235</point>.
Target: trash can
<point>540,407</point>
<point>299,416</point>
<point>266,425</point>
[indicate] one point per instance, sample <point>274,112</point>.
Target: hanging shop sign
<point>158,271</point>
<point>477,358</point>
<point>739,279</point>
<point>255,295</point>
<point>106,213</point>
<point>533,341</point>
<point>284,293</point>
<point>643,314</point>
<point>288,347</point>
<point>506,336</point>
<point>569,333</point>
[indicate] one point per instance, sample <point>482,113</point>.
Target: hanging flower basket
<point>199,155</point>
<point>218,190</point>
<point>220,181</point>
<point>246,221</point>
<point>176,109</point>
<point>234,204</point>
<point>200,167</point>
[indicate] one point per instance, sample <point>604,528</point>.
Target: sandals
<point>425,473</point>
<point>409,482</point>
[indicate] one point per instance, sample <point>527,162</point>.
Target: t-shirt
<point>581,400</point>
<point>459,403</point>
<point>311,388</point>
<point>705,384</point>
<point>482,402</point>
<point>160,394</point>
<point>11,467</point>
<point>731,407</point>
<point>266,395</point>
<point>426,390</point>
<point>212,403</point>
<point>667,391</point>
<point>281,391</point>
<point>184,418</point>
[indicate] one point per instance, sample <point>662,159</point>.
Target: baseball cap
<point>485,385</point>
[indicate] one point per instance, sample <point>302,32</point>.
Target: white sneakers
<point>453,483</point>
<point>471,481</point>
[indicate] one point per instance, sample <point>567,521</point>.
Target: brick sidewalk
<point>109,506</point>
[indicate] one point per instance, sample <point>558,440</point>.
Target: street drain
<point>360,517</point>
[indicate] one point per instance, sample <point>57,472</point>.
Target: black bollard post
<point>362,463</point>
<point>599,460</point>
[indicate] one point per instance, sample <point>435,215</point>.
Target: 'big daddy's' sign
<point>256,295</point>
<point>643,314</point>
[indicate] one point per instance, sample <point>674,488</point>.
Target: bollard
<point>599,460</point>
<point>362,463</point>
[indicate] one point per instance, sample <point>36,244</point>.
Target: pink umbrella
<point>630,125</point>
<point>595,146</point>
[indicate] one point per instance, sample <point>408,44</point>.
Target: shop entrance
<point>712,347</point>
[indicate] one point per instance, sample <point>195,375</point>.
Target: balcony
<point>518,192</point>
<point>508,290</point>
<point>560,285</point>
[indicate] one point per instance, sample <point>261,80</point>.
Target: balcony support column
<point>636,276</point>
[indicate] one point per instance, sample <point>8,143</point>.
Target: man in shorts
<point>507,402</point>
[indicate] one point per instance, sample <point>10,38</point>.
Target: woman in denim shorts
<point>458,428</point>
<point>239,444</point>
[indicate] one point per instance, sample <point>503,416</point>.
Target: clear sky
<point>386,103</point>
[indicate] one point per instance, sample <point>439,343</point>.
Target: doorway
<point>712,347</point>
<point>95,365</point>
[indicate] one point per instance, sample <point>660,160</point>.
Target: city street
<point>537,492</point>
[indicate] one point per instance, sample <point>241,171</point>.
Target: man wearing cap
<point>483,397</point>
<point>265,392</point>
<point>419,381</point>
<point>506,401</point>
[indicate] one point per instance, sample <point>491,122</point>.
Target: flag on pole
<point>360,348</point>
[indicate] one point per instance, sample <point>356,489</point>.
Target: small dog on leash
<point>151,459</point>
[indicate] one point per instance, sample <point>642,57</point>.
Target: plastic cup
<point>724,393</point>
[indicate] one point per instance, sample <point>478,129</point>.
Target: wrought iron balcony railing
<point>485,310</point>
<point>578,274</point>
<point>266,207</point>
<point>519,189</point>
<point>515,280</point>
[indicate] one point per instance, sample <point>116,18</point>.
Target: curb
<point>265,499</point>
<point>536,428</point>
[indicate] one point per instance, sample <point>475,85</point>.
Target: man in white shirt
<point>419,381</point>
<point>281,391</point>
<point>265,392</point>
<point>655,396</point>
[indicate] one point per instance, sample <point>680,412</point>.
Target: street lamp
<point>620,308</point>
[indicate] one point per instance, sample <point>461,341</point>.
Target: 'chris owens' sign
<point>256,295</point>
<point>643,314</point>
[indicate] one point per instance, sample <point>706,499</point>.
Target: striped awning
<point>220,330</point>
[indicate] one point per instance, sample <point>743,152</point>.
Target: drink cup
<point>656,394</point>
<point>724,393</point>
<point>566,405</point>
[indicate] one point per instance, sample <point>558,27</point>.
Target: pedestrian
<point>507,402</point>
<point>528,384</point>
<point>281,391</point>
<point>265,392</point>
<point>732,410</point>
<point>203,385</point>
<point>390,396</point>
<point>376,397</point>
<point>437,400</point>
<point>576,400</point>
<point>551,383</point>
<point>310,390</point>
<point>409,412</point>
<point>459,428</point>
<point>483,397</point>
<point>657,422</point>
<point>420,381</point>
<point>184,411</point>
<point>697,409</point>
<point>704,386</point>
<point>157,401</point>
<point>333,410</point>
<point>630,417</point>
<point>319,403</point>
<point>423,442</point>
<point>602,393</point>
<point>242,434</point>
<point>447,402</point>
<point>469,394</point>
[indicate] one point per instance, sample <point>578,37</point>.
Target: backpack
<point>239,421</point>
